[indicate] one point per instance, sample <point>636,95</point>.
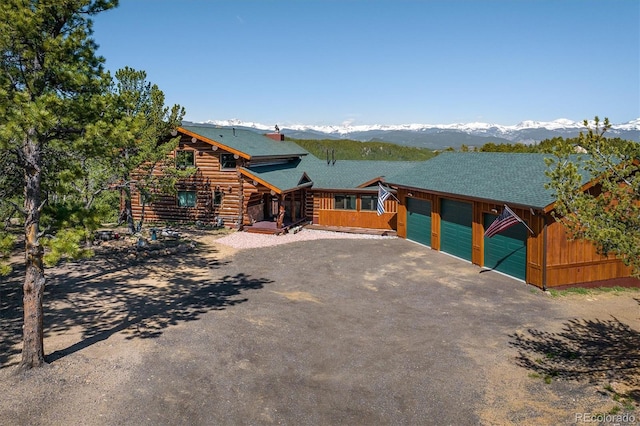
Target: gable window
<point>186,198</point>
<point>344,202</point>
<point>217,197</point>
<point>368,202</point>
<point>227,162</point>
<point>185,158</point>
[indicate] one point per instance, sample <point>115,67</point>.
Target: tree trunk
<point>128,210</point>
<point>33,329</point>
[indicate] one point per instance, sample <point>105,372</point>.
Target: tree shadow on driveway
<point>600,351</point>
<point>94,299</point>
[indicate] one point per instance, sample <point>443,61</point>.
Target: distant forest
<point>346,149</point>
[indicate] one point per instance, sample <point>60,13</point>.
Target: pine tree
<point>144,144</point>
<point>608,212</point>
<point>51,87</point>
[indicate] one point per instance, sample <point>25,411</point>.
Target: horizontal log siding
<point>576,262</point>
<point>324,212</point>
<point>208,177</point>
<point>310,207</point>
<point>253,194</point>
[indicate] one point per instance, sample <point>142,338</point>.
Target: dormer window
<point>185,158</point>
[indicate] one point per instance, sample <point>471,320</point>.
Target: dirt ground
<point>196,332</point>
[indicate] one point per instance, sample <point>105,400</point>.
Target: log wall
<point>207,179</point>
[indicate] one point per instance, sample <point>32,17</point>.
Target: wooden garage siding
<point>577,261</point>
<point>325,214</point>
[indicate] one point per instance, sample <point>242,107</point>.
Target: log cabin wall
<point>325,213</point>
<point>208,179</point>
<point>255,200</point>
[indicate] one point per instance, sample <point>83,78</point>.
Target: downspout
<point>544,253</point>
<point>241,209</point>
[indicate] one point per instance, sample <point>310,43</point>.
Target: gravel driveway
<point>330,331</point>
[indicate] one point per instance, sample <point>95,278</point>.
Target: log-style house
<point>263,183</point>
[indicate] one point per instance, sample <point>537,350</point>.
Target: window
<point>368,202</point>
<point>144,199</point>
<point>345,202</point>
<point>185,158</point>
<point>217,197</point>
<point>186,198</point>
<point>227,162</point>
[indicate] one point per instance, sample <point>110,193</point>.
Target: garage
<point>507,251</point>
<point>455,228</point>
<point>419,221</point>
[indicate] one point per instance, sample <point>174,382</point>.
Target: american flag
<point>383,194</point>
<point>506,219</point>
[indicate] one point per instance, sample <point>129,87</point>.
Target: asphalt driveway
<point>338,332</point>
<point>324,332</point>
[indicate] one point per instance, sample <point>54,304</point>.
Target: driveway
<point>379,331</point>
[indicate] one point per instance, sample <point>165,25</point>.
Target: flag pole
<point>518,218</point>
<point>389,191</point>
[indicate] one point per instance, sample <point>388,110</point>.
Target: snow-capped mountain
<point>438,136</point>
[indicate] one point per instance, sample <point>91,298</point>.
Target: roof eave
<point>468,197</point>
<point>214,143</point>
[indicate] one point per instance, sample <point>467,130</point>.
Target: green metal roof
<point>515,178</point>
<point>343,174</point>
<point>251,143</point>
<point>350,174</point>
<point>285,177</point>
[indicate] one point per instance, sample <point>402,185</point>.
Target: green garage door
<point>419,221</point>
<point>455,228</point>
<point>507,251</point>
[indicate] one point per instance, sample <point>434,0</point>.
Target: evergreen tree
<point>51,87</point>
<point>144,143</point>
<point>608,213</point>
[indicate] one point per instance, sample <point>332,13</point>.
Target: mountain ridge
<point>439,136</point>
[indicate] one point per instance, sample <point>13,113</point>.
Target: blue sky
<point>383,61</point>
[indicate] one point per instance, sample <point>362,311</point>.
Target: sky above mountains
<point>331,62</point>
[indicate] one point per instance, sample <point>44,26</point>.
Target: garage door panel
<point>419,221</point>
<point>455,228</point>
<point>507,251</point>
